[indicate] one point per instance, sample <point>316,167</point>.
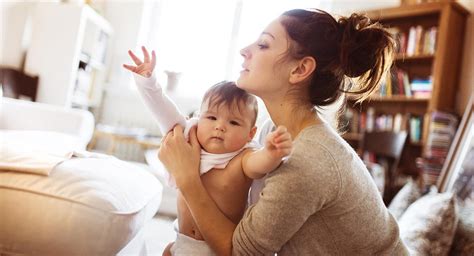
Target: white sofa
<point>86,206</point>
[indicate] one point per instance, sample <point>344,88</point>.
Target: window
<point>202,39</point>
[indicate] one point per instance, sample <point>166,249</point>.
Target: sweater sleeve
<point>292,193</point>
<point>161,106</point>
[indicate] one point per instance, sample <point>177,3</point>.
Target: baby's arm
<point>161,106</point>
<point>278,144</point>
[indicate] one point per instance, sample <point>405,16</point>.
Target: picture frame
<point>458,169</point>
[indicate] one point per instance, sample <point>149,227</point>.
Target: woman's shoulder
<point>321,139</point>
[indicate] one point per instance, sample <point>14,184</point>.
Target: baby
<point>229,157</point>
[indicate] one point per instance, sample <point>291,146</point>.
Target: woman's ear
<point>303,70</point>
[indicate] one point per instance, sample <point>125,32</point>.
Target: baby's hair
<point>228,94</point>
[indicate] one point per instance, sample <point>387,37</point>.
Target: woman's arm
<point>181,159</point>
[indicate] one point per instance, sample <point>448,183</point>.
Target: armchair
<point>85,206</point>
<point>46,125</point>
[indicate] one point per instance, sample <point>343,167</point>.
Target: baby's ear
<point>253,131</point>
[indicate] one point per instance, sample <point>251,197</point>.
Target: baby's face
<point>225,129</point>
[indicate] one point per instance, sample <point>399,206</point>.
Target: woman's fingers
<point>146,56</point>
<point>135,59</point>
<point>178,129</point>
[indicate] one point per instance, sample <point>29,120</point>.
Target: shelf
<point>413,11</point>
<point>393,98</point>
<point>419,57</point>
<point>92,62</point>
<point>418,143</point>
<point>352,136</point>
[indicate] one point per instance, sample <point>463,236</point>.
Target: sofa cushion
<point>49,141</point>
<point>404,198</point>
<point>427,227</point>
<point>87,206</point>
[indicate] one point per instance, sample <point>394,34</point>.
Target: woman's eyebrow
<point>269,34</point>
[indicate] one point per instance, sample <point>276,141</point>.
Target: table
<point>117,135</point>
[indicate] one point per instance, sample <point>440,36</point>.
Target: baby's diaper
<point>185,245</point>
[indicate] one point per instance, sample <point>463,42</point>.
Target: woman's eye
<point>262,46</point>
<point>234,123</point>
<point>211,117</point>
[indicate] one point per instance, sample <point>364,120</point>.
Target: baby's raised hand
<point>279,143</point>
<point>144,68</point>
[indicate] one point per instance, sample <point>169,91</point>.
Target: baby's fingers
<point>283,145</point>
<point>135,59</point>
<point>280,130</point>
<point>129,67</point>
<point>153,59</point>
<point>146,55</point>
<point>282,137</point>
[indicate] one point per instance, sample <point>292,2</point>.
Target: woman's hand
<point>167,251</point>
<point>181,158</point>
<point>144,68</point>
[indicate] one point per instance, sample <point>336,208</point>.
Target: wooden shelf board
<point>420,57</point>
<point>352,136</point>
<point>413,10</point>
<point>394,98</point>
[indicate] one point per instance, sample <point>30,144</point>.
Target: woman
<point>322,200</point>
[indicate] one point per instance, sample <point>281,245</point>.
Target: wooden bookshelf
<point>442,67</point>
<point>420,57</point>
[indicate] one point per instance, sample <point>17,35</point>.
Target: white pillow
<point>406,196</point>
<point>427,227</point>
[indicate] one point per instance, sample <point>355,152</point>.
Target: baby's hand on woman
<point>279,143</point>
<point>144,68</point>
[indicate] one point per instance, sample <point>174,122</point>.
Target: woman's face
<point>264,72</point>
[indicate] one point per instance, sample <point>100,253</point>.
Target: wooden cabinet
<point>439,67</point>
<point>68,50</point>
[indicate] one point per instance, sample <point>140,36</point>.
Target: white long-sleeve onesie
<point>168,115</point>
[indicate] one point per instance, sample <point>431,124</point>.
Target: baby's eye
<point>211,117</point>
<point>234,123</point>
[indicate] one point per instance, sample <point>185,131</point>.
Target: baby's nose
<point>220,127</point>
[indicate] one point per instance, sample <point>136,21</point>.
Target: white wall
<point>346,7</point>
<point>126,18</point>
<point>12,28</point>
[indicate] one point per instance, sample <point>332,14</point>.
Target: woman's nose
<point>245,52</point>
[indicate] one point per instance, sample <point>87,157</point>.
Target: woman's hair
<point>228,94</point>
<point>350,47</point>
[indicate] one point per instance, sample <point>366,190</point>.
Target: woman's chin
<point>241,83</point>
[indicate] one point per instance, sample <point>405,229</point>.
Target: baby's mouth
<point>217,138</point>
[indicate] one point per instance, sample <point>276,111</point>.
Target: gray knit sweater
<point>322,201</point>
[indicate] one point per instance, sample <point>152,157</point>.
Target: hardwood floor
<point>158,233</point>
